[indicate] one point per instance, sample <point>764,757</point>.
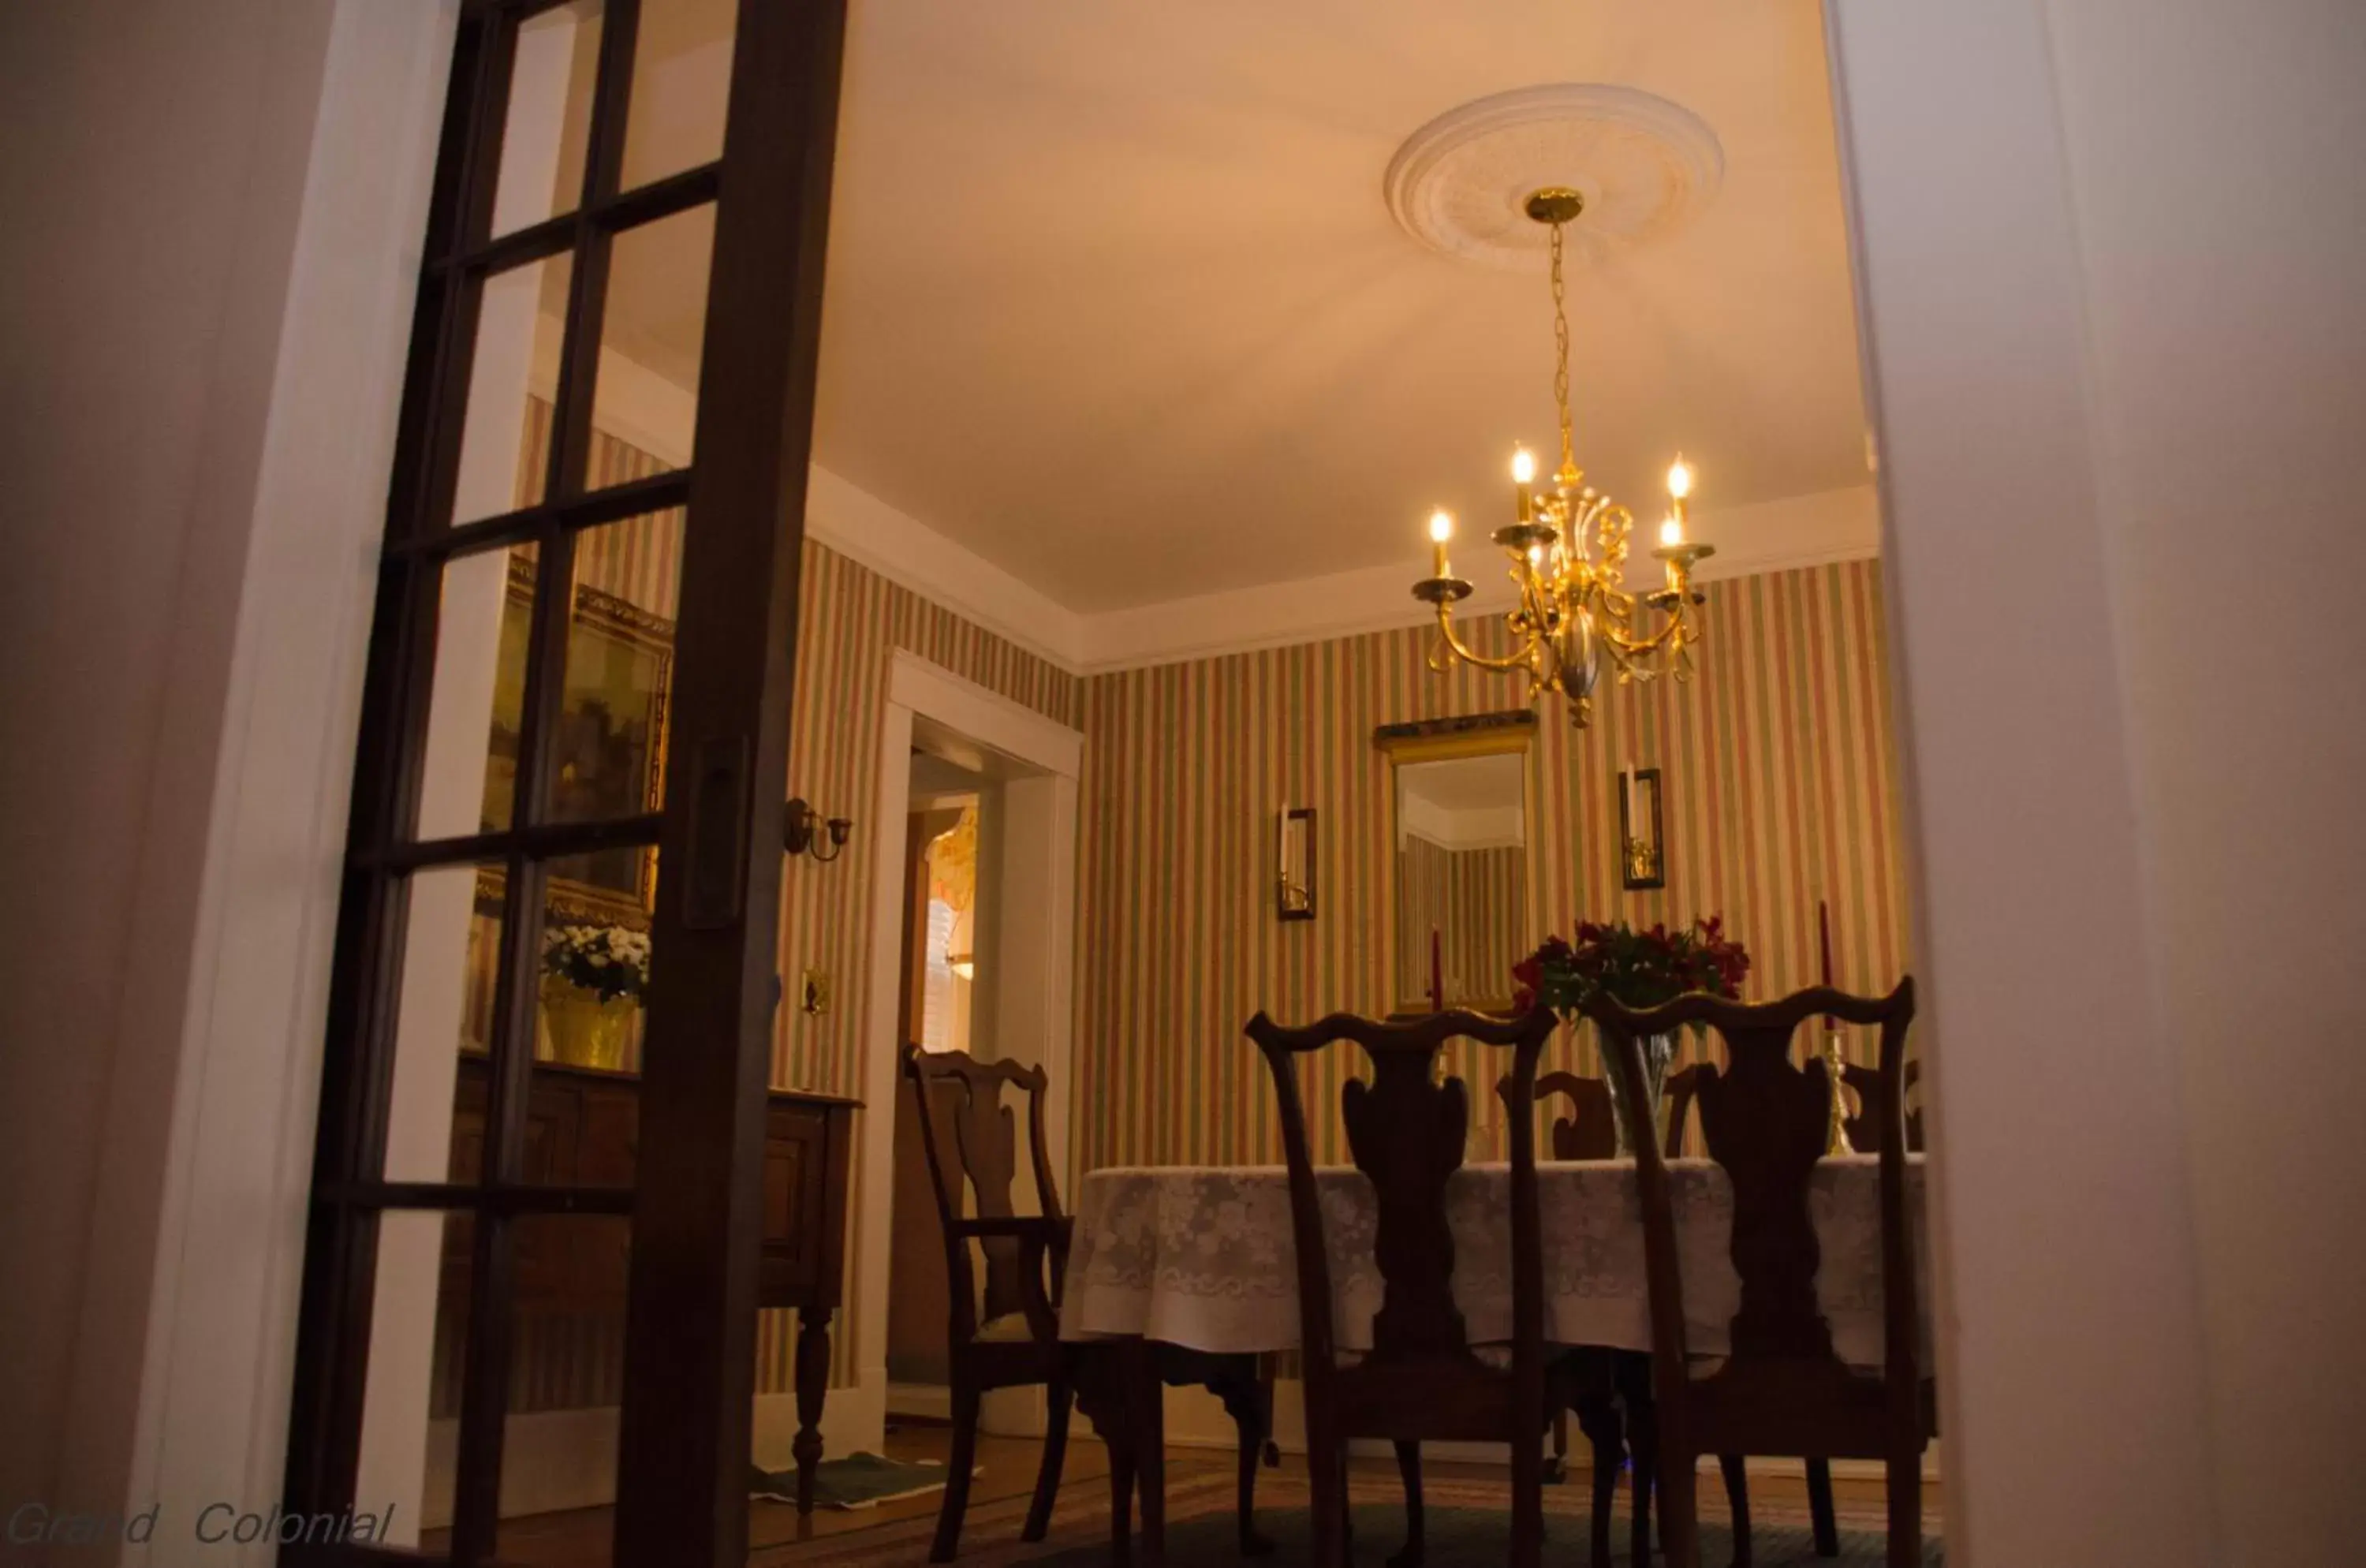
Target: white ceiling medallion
<point>1643,164</point>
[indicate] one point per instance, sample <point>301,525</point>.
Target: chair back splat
<point>1586,1132</point>
<point>962,1116</point>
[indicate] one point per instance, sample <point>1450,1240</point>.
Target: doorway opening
<point>972,949</point>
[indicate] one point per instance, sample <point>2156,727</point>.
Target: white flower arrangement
<point>608,960</point>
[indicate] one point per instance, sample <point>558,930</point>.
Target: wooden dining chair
<point>1603,1382</point>
<point>1424,1379</point>
<point>1780,1389</point>
<point>1005,1332</point>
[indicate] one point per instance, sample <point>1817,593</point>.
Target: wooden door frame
<point>917,686</point>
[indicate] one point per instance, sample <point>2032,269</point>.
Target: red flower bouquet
<point>1637,969</point>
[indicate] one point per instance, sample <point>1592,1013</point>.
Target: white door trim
<point>918,688</point>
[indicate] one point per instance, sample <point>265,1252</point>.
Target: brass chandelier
<point>1573,611</point>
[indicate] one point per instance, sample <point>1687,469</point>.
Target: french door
<point>538,1171</point>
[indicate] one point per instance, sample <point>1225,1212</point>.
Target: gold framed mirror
<point>1461,816</point>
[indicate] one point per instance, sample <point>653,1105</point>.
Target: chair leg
<point>1266,1365</point>
<point>957,1472</point>
<point>1904,1477</point>
<point>1679,1510</point>
<point>1527,1503</point>
<point>1597,1417</point>
<point>1252,1421</point>
<point>1557,1467</point>
<point>1737,1494</point>
<point>1120,1452</point>
<point>1643,1452</point>
<point>1057,1397</point>
<point>1328,1514</point>
<point>1345,1506</point>
<point>1819,1508</point>
<point>1409,1467</point>
<point>1147,1395</point>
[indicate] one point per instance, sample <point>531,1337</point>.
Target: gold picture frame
<point>608,753</point>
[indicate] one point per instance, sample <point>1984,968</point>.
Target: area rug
<point>858,1481</point>
<point>1466,1518</point>
<point>1460,1536</point>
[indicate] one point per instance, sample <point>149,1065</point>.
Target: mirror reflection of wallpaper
<point>1477,901</point>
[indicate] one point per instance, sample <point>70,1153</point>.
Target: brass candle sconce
<point>1294,876</point>
<point>1642,853</point>
<point>804,833</point>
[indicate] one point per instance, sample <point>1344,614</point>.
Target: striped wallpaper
<point>1782,789</point>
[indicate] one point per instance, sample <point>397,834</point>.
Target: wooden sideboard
<point>583,1130</point>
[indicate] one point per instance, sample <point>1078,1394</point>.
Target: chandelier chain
<point>1561,359</point>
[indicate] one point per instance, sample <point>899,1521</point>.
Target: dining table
<point>1203,1256</point>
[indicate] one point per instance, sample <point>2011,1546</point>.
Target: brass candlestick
<point>1836,1138</point>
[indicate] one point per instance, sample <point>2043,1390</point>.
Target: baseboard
<point>555,1459</point>
<point>1003,1413</point>
<point>1014,1412</point>
<point>851,1419</point>
<point>927,1401</point>
<point>551,1460</point>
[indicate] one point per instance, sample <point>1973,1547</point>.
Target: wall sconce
<point>802,832</point>
<point>1642,858</point>
<point>1294,886</point>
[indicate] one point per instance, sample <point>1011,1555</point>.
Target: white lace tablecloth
<point>1203,1255</point>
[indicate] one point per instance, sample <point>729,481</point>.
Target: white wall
<point>2213,155</point>
<point>206,277</point>
<point>2109,258</point>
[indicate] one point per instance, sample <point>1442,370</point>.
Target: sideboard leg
<point>813,1382</point>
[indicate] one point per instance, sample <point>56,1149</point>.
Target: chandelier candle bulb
<point>1441,528</point>
<point>1524,472</point>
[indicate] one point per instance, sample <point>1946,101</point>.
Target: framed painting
<point>608,754</point>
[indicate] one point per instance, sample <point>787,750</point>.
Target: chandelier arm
<point>1670,636</point>
<point>1520,658</point>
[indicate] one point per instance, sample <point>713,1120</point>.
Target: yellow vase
<point>584,1031</point>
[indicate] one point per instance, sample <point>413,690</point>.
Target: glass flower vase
<point>1658,1051</point>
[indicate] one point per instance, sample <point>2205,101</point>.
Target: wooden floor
<point>579,1539</point>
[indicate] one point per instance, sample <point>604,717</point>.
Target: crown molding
<point>865,529</point>
<point>1775,536</point>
